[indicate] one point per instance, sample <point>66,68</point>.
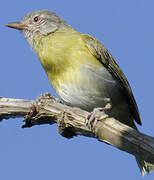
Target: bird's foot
<point>29,116</point>
<point>33,111</point>
<point>91,120</point>
<point>47,96</point>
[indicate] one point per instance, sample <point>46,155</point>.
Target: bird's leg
<point>91,120</point>
<point>33,111</point>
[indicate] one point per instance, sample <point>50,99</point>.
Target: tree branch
<point>71,122</point>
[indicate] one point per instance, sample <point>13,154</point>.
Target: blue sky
<point>126,29</point>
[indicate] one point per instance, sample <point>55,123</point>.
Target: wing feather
<point>104,56</point>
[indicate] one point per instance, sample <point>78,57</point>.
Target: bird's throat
<point>54,52</point>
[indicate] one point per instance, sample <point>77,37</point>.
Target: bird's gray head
<point>42,21</point>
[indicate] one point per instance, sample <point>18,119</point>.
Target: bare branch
<point>71,121</point>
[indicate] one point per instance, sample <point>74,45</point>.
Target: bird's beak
<point>17,25</point>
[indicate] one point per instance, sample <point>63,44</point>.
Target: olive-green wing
<point>103,55</point>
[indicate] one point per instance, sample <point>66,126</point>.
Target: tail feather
<point>144,166</point>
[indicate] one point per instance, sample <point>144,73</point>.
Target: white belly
<point>94,89</point>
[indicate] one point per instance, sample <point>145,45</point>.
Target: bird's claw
<point>47,96</point>
<point>91,120</point>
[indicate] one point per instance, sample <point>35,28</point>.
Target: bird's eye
<point>36,18</point>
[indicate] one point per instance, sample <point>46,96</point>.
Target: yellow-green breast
<point>61,54</point>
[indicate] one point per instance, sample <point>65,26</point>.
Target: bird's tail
<point>144,166</point>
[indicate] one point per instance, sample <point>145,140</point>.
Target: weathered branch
<point>71,121</point>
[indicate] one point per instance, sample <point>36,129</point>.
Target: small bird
<point>80,69</point>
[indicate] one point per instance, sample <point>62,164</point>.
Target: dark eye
<point>36,18</point>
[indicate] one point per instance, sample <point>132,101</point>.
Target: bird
<point>81,70</point>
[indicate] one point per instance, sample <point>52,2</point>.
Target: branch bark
<point>71,122</point>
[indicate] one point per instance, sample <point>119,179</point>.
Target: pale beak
<point>18,25</point>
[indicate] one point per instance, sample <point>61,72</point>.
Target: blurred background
<point>126,28</point>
